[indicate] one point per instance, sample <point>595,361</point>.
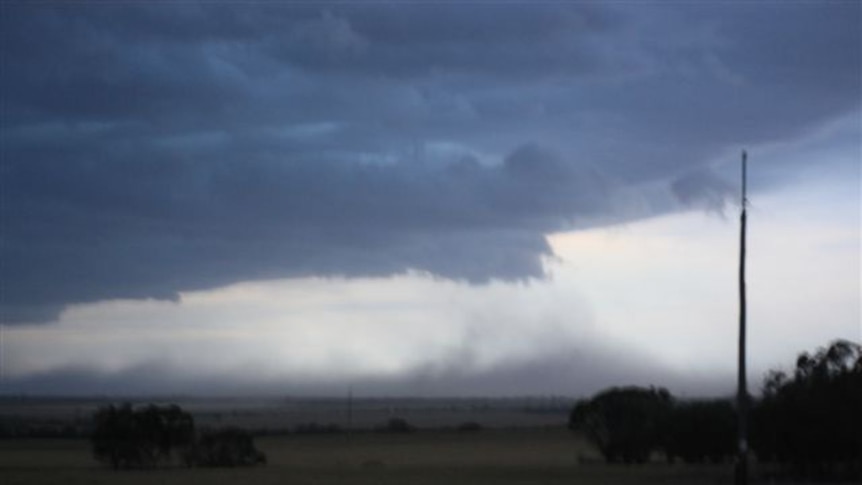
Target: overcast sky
<point>416,198</point>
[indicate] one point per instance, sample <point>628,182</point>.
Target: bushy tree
<point>127,437</point>
<point>624,423</point>
<point>700,430</point>
<point>811,422</point>
<point>124,437</point>
<point>228,447</point>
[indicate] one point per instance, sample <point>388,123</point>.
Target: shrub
<point>228,447</point>
<point>397,425</point>
<point>624,423</point>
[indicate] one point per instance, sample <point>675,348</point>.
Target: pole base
<point>740,472</point>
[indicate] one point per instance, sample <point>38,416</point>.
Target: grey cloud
<point>147,151</point>
<point>703,189</point>
<point>761,73</point>
<point>89,229</point>
<point>507,40</point>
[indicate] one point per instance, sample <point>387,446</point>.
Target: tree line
<point>808,424</point>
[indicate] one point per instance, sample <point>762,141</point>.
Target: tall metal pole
<point>349,412</point>
<point>742,389</point>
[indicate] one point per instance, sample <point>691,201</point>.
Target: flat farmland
<point>522,441</point>
<point>522,456</point>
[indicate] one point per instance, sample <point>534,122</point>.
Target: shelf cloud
<point>150,150</point>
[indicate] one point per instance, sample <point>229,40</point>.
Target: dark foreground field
<point>548,456</point>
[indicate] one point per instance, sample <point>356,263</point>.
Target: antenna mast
<point>742,389</point>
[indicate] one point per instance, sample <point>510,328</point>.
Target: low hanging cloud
<point>152,150</point>
<point>703,189</point>
<point>136,229</point>
<point>577,372</point>
<point>258,338</point>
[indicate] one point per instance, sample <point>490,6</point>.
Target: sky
<point>428,199</point>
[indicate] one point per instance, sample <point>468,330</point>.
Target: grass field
<point>549,456</point>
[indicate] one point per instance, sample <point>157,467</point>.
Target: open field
<point>524,441</point>
<point>549,456</point>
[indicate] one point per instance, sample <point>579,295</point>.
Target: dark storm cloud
<point>148,150</point>
<point>89,227</point>
<point>702,188</point>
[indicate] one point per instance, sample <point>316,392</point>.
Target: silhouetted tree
<point>701,430</point>
<point>624,423</point>
<point>228,447</point>
<point>811,423</point>
<point>124,437</point>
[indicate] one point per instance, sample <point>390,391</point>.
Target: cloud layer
<point>151,150</point>
<point>410,336</point>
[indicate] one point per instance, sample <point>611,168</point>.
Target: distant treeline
<point>22,427</point>
<point>12,427</point>
<point>808,424</point>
